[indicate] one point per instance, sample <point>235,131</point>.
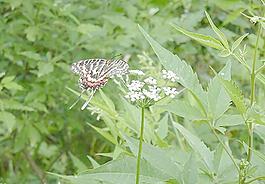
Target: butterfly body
<point>95,73</point>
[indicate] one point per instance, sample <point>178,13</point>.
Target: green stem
<point>256,179</point>
<point>140,147</point>
<point>225,148</point>
<point>252,95</point>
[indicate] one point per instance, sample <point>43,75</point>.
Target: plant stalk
<point>252,95</point>
<point>140,148</point>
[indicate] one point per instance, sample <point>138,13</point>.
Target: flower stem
<point>140,147</point>
<point>252,96</point>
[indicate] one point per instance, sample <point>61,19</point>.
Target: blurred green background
<point>40,39</point>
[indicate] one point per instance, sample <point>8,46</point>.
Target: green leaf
<point>221,35</point>
<point>157,157</point>
<point>93,162</point>
<point>32,33</point>
<point>9,104</point>
<point>218,99</point>
<point>235,94</point>
<point>184,71</point>
<point>260,130</point>
<point>162,130</point>
<point>78,163</point>
<point>44,68</point>
<point>108,101</point>
<point>104,133</point>
<point>230,120</point>
<point>120,171</point>
<point>21,140</point>
<point>238,41</point>
<point>9,121</point>
<point>203,39</point>
<point>198,146</point>
<point>190,171</point>
<point>183,109</point>
<point>31,55</point>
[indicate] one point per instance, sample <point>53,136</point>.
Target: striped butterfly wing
<point>114,67</point>
<point>100,68</point>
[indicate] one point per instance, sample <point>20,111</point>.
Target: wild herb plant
<point>212,132</point>
<point>221,106</point>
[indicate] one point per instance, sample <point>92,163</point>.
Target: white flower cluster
<point>169,75</point>
<point>150,80</point>
<point>172,92</point>
<point>146,92</point>
<point>135,85</point>
<point>135,95</point>
<point>153,93</point>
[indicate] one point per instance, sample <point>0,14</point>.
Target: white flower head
<point>152,95</point>
<point>172,92</point>
<point>169,75</point>
<point>150,80</point>
<point>135,95</point>
<point>135,85</point>
<point>137,72</point>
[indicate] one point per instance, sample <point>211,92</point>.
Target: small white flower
<point>136,72</point>
<point>135,95</point>
<point>152,95</point>
<point>172,92</point>
<point>169,75</point>
<point>135,85</point>
<point>150,80</point>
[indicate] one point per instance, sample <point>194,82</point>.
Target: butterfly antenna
<point>89,99</point>
<point>79,97</point>
<point>119,55</point>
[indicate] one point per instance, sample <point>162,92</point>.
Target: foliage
<point>212,133</point>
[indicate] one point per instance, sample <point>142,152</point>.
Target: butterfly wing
<point>114,67</point>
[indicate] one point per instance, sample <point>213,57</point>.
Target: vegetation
<point>205,123</point>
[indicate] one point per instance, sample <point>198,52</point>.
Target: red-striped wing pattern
<point>94,73</point>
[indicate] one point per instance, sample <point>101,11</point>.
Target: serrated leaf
<point>120,171</point>
<point>184,71</point>
<point>183,109</point>
<point>203,39</point>
<point>238,41</point>
<point>198,146</point>
<point>219,33</point>
<point>218,99</point>
<point>235,94</point>
<point>155,156</point>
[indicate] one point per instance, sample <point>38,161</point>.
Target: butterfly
<point>95,73</point>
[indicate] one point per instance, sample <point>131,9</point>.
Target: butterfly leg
<point>89,99</point>
<point>79,97</point>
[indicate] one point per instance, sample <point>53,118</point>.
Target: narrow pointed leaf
<point>219,33</point>
<point>238,41</point>
<point>203,39</point>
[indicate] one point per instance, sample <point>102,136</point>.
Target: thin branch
<point>40,174</point>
